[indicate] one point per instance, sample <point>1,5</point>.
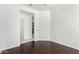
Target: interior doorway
<point>26,27</point>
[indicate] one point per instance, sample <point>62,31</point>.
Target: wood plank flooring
<point>41,47</point>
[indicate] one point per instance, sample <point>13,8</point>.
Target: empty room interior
<point>39,29</point>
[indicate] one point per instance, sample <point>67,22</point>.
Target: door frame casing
<point>34,13</point>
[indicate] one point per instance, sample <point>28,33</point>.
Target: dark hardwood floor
<point>41,47</point>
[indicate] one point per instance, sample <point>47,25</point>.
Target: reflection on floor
<point>41,47</point>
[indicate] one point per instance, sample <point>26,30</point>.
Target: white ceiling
<point>43,6</point>
<point>47,6</point>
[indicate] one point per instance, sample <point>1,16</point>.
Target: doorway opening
<point>26,27</point>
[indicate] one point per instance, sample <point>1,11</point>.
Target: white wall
<point>10,28</point>
<point>44,25</point>
<point>1,26</point>
<point>67,25</point>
